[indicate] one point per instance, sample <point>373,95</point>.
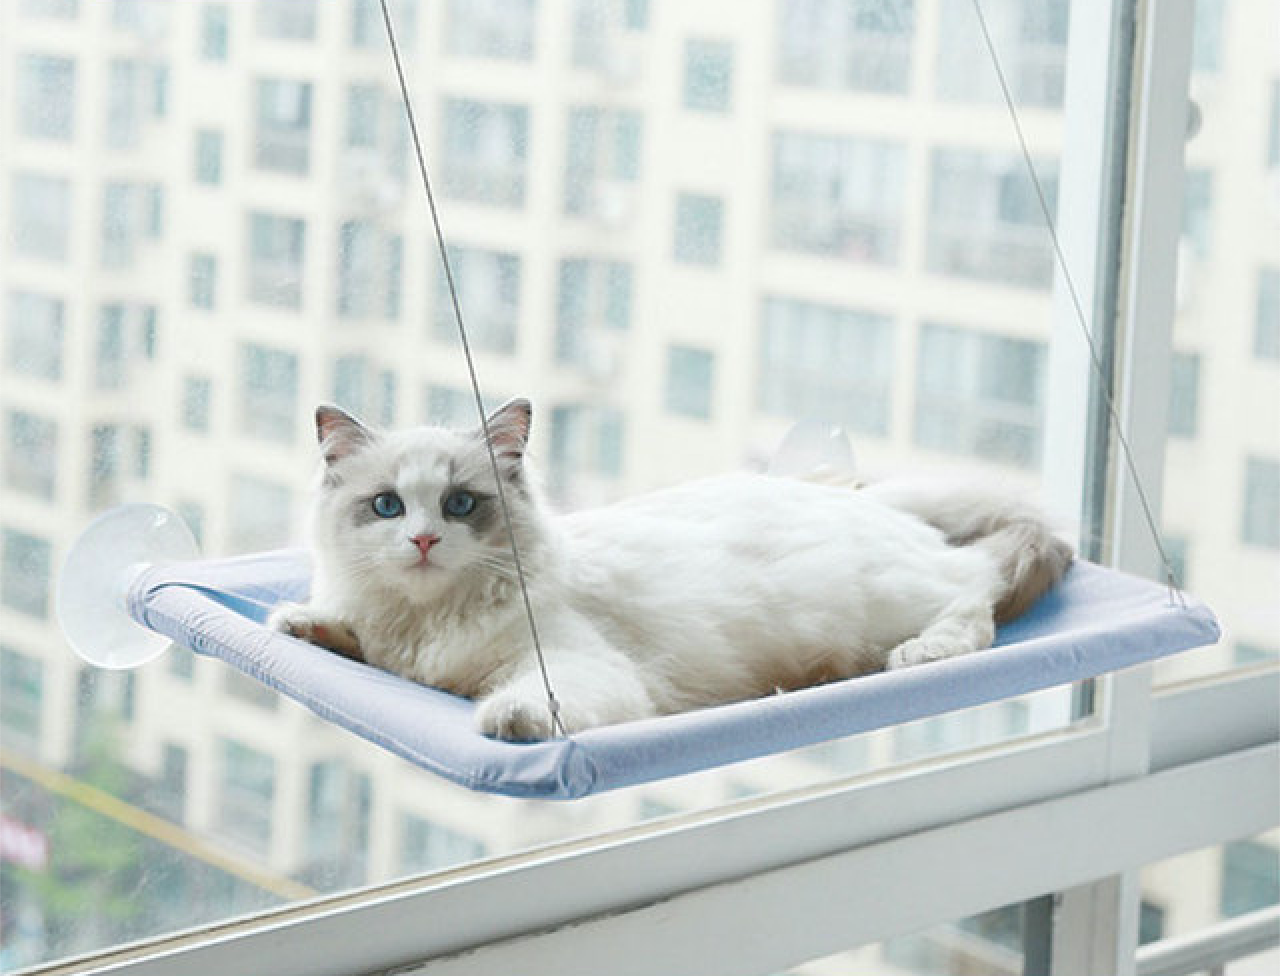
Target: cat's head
<point>417,512</point>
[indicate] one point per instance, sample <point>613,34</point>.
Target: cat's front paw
<point>513,718</point>
<point>304,623</point>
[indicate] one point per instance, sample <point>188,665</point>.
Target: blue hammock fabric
<point>1097,620</point>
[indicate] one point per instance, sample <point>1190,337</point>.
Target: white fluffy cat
<point>714,591</point>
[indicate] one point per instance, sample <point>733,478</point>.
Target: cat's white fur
<point>713,591</point>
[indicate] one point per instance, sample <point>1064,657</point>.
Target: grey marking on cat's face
<point>482,519</point>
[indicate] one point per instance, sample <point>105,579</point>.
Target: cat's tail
<point>1016,533</point>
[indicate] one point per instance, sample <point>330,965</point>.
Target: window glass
<point>708,75</point>
<point>698,225</point>
<point>34,335</point>
<point>854,45</point>
<point>40,211</point>
<point>498,29</point>
<point>276,250</point>
<point>31,454</point>
<point>46,96</point>
<point>208,157</point>
<point>488,286</point>
<point>282,140</point>
<point>485,150</point>
<point>287,20</point>
<point>690,373</point>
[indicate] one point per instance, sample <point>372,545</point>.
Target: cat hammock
<point>139,559</point>
<point>1096,620</point>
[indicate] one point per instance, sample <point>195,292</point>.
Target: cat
<point>714,591</point>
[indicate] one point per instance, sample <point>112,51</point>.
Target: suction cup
<point>95,581</point>
<point>812,447</point>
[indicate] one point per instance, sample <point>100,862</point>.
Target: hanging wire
<point>1175,591</point>
<point>553,703</point>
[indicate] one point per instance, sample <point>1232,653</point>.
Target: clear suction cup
<point>813,448</point>
<point>95,580</point>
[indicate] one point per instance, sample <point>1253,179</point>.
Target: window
<point>105,466</point>
<point>287,20</point>
<point>1197,211</point>
<point>605,36</point>
<point>825,363</point>
<point>46,97</point>
<point>258,513</point>
<point>246,793</point>
<point>603,160</point>
<point>698,227</point>
<point>1206,37</point>
<point>31,455</point>
<point>124,104</point>
<point>586,442</point>
<point>34,335</point>
<point>132,213</point>
<point>486,148</point>
<point>708,76</point>
<point>426,845</point>
<point>208,161</point>
<point>193,514</point>
<point>1261,518</point>
<point>1031,36</point>
<point>859,45</point>
<point>197,392</point>
<point>488,284</point>
<point>364,391</point>
<point>202,281</point>
<point>24,572</point>
<point>1250,877</point>
<point>52,9</point>
<point>282,137</point>
<point>276,250</point>
<point>985,220</point>
<point>456,408</point>
<point>1178,549</point>
<point>249,690</point>
<point>339,801</point>
<point>171,789</point>
<point>369,271</point>
<point>1266,329</point>
<point>689,381</point>
<point>499,29</point>
<point>269,392</point>
<point>593,305</point>
<point>1184,394</point>
<point>110,359</point>
<point>21,699</point>
<point>215,30</point>
<point>838,196</point>
<point>40,209</point>
<point>979,394</point>
<point>366,22</point>
<point>1273,128</point>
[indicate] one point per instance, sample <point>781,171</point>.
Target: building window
<point>1184,395</point>
<point>825,363</point>
<point>124,105</point>
<point>1266,328</point>
<point>858,45</point>
<point>110,361</point>
<point>979,394</point>
<point>593,306</point>
<point>21,699</point>
<point>282,135</point>
<point>586,442</point>
<point>171,788</point>
<point>1247,653</point>
<point>1250,877</point>
<point>603,162</point>
<point>1178,549</point>
<point>456,408</point>
<point>426,845</point>
<point>268,393</point>
<point>364,391</point>
<point>486,149</point>
<point>1261,517</point>
<point>837,196</point>
<point>46,97</point>
<point>215,31</point>
<point>698,229</point>
<point>34,335</point>
<point>208,162</point>
<point>499,29</point>
<point>40,209</point>
<point>202,281</point>
<point>245,796</point>
<point>193,514</point>
<point>258,515</point>
<point>287,20</point>
<point>105,466</point>
<point>1197,211</point>
<point>708,75</point>
<point>985,219</point>
<point>488,284</point>
<point>1273,128</point>
<point>24,572</point>
<point>604,36</point>
<point>1031,36</point>
<point>689,381</point>
<point>31,458</point>
<point>52,9</point>
<point>276,251</point>
<point>367,29</point>
<point>132,213</point>
<point>1206,36</point>
<point>197,392</point>
<point>339,803</point>
<point>369,271</point>
<point>241,687</point>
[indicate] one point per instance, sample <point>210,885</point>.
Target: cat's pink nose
<point>424,543</point>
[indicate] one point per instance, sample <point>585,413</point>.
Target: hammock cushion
<point>1097,620</point>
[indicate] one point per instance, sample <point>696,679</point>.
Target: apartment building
<point>679,228</point>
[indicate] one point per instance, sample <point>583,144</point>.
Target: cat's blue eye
<point>388,505</point>
<point>459,504</point>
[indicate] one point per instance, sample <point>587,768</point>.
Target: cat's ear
<point>340,434</point>
<point>509,428</point>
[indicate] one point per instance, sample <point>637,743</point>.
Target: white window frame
<point>772,881</point>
